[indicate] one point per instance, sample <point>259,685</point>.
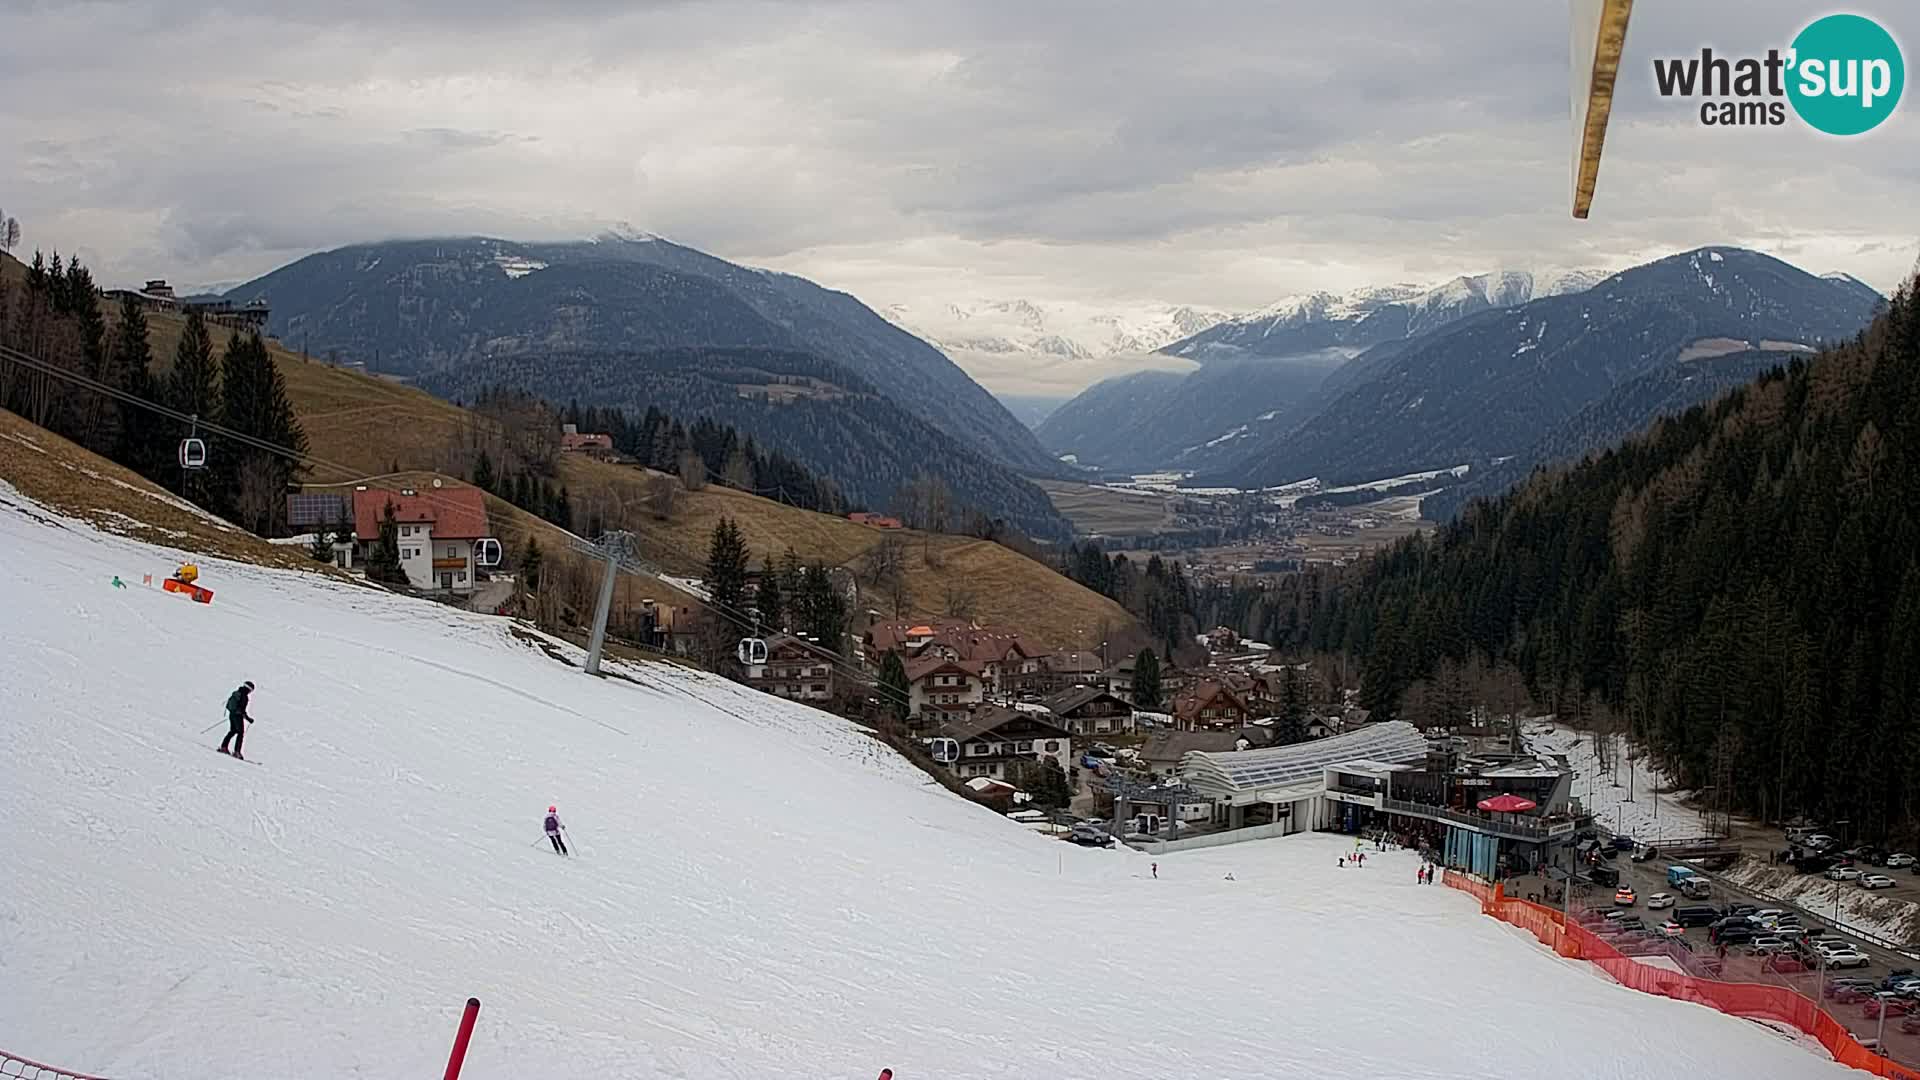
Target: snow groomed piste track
<point>761,890</point>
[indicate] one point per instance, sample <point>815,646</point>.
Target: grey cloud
<point>1215,154</point>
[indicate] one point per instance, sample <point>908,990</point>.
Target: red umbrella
<point>1507,804</point>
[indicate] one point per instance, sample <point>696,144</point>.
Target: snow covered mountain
<point>1266,371</point>
<point>1033,345</point>
<point>1496,385</point>
<point>1369,316</point>
<point>760,889</point>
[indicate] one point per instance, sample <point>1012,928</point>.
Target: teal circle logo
<point>1846,74</point>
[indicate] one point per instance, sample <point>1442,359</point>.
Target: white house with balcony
<point>994,740</point>
<point>435,530</point>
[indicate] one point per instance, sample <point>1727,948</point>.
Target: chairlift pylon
<point>753,651</point>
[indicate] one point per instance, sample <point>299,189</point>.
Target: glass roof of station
<point>1395,742</point>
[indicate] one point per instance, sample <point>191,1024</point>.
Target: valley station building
<point>1388,777</point>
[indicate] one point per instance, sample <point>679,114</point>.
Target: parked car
<point>1876,881</point>
<point>1847,995</point>
<point>1731,935</point>
<point>1643,854</point>
<point>1659,900</point>
<point>1672,929</point>
<point>1767,945</point>
<point>1624,896</point>
<point>1623,843</point>
<point>1843,873</point>
<point>1785,964</point>
<point>1695,915</point>
<point>1844,958</point>
<point>1885,1001</point>
<point>1087,834</point>
<point>1819,841</point>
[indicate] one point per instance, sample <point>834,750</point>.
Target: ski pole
<point>209,730</point>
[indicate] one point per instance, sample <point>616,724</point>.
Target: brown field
<point>1102,510</point>
<point>66,477</point>
<point>360,426</point>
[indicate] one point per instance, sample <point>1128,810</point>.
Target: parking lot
<point>1650,877</point>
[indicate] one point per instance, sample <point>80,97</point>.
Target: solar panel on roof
<point>309,509</point>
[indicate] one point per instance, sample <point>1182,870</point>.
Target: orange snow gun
<point>183,581</point>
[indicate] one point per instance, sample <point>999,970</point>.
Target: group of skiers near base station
<point>237,721</point>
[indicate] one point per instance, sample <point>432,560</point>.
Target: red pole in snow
<point>460,1040</point>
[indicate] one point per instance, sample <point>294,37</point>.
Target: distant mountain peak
<point>622,232</point>
<point>994,333</point>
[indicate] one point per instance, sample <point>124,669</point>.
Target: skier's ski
<point>224,754</point>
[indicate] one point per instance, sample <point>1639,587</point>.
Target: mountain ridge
<point>1495,383</point>
<point>408,306</point>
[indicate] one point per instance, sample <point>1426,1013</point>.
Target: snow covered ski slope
<point>759,890</point>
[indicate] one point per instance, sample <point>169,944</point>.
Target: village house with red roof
<point>436,531</point>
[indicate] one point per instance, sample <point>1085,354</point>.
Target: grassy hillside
<point>80,484</point>
<point>365,425</point>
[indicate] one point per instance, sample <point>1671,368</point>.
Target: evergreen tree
<point>563,510</point>
<point>254,402</point>
<point>790,585</point>
<point>1292,727</point>
<point>530,564</point>
<point>895,691</point>
<point>770,600</point>
<point>321,549</point>
<point>1045,783</point>
<point>193,387</point>
<point>726,578</point>
<point>823,610</point>
<point>383,556</point>
<point>1146,681</point>
<point>144,443</point>
<point>483,472</point>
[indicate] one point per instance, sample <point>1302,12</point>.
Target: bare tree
<point>528,429</point>
<point>739,472</point>
<point>884,561</point>
<point>258,493</point>
<point>663,496</point>
<point>9,232</point>
<point>960,601</point>
<point>693,471</point>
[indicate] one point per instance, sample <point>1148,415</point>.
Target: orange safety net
<point>1750,1000</point>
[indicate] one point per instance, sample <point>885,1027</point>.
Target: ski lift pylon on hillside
<point>945,751</point>
<point>753,651</point>
<point>486,553</point>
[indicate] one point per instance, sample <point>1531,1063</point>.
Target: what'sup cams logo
<point>1842,75</point>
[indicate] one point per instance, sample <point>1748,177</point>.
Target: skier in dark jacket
<point>553,829</point>
<point>237,719</point>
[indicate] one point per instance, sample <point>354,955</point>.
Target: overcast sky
<point>1213,154</point>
